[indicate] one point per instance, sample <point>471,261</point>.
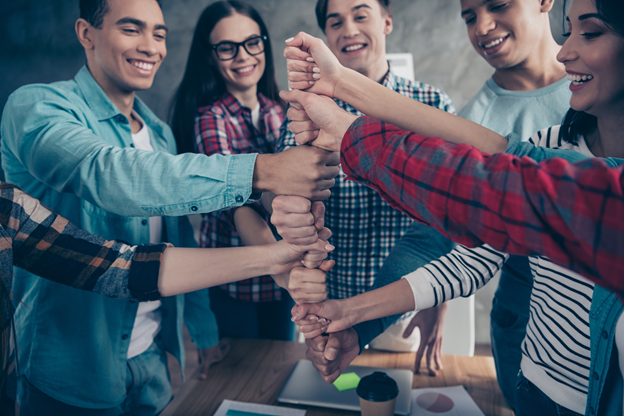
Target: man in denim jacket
<point>93,152</point>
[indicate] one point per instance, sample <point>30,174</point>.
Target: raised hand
<point>311,65</point>
<point>332,354</point>
<point>311,113</point>
<point>297,219</point>
<point>307,286</point>
<point>431,324</point>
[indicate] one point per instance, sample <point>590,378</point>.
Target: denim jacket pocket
<point>106,224</point>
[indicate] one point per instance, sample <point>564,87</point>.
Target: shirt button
<point>194,208</point>
<point>144,222</point>
<point>124,336</point>
<point>605,335</point>
<point>596,376</point>
<point>239,199</point>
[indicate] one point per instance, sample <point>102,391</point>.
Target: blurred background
<point>39,45</point>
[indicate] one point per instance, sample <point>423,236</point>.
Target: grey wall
<point>39,45</point>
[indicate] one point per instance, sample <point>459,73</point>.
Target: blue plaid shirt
<point>364,226</point>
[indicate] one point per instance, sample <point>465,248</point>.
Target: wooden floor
<point>191,360</point>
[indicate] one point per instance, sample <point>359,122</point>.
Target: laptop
<point>306,387</point>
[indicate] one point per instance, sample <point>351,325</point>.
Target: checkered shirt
<point>364,227</point>
<point>571,213</point>
<point>226,128</point>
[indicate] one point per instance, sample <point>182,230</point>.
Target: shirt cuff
<point>422,289</point>
<point>144,272</point>
<point>240,180</point>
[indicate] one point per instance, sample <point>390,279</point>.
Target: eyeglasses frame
<point>264,38</point>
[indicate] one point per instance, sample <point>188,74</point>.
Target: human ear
<point>83,32</point>
<point>546,5</point>
<point>388,24</point>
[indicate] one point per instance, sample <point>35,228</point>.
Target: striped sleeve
<point>460,273</point>
<point>51,247</point>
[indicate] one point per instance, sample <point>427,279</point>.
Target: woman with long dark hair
<point>228,103</point>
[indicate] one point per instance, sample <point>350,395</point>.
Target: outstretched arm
<point>313,67</point>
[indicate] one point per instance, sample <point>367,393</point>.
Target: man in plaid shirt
<point>364,227</point>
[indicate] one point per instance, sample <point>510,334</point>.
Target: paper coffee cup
<point>378,393</point>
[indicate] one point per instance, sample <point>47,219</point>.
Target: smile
<point>493,43</point>
<point>147,66</point>
<point>578,79</point>
<point>244,70</point>
<point>353,48</point>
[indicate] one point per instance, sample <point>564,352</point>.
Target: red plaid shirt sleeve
<point>572,213</point>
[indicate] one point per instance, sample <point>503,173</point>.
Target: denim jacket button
<point>194,208</point>
<point>596,376</point>
<point>239,199</point>
<point>144,222</point>
<point>605,335</point>
<point>124,336</point>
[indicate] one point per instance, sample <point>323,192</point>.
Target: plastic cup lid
<point>377,387</point>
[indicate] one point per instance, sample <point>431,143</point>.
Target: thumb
<point>318,212</point>
<point>299,312</point>
<point>333,347</point>
<point>410,327</point>
<point>327,265</point>
<point>293,96</point>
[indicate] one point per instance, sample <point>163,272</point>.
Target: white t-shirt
<point>255,116</point>
<point>148,317</point>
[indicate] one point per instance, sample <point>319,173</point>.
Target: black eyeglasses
<point>229,50</point>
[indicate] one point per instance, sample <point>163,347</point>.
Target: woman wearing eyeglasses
<point>228,103</point>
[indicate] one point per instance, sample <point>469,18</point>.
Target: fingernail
<point>329,247</point>
<point>316,69</point>
<point>316,76</point>
<point>312,82</point>
<point>333,352</point>
<point>295,318</point>
<point>310,59</point>
<point>289,40</point>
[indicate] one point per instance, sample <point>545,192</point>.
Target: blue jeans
<point>531,401</point>
<point>242,319</point>
<point>147,384</point>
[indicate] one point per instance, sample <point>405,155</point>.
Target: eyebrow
<point>140,23</point>
<point>356,8</point>
<point>467,11</point>
<point>589,16</point>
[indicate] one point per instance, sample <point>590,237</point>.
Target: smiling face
<point>125,53</point>
<point>505,32</point>
<point>244,71</point>
<point>356,33</point>
<point>593,56</point>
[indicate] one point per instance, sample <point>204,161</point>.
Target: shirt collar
<point>390,79</point>
<point>102,106</point>
<point>234,106</point>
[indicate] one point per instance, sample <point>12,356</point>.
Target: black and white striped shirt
<point>556,349</point>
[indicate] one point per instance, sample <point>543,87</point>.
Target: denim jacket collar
<point>102,106</point>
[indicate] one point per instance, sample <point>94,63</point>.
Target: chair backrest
<point>402,64</point>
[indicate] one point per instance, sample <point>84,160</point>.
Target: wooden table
<point>255,371</point>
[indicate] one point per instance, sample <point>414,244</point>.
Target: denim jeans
<point>507,331</point>
<point>147,384</point>
<point>241,319</point>
<point>531,401</point>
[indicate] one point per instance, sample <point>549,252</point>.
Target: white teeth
<point>493,43</point>
<point>244,70</point>
<point>579,79</point>
<point>353,48</point>
<point>142,65</point>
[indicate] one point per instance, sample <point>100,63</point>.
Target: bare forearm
<point>376,101</point>
<point>252,228</point>
<point>185,270</point>
<point>392,299</point>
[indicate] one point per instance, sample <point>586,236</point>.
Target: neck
<point>123,100</point>
<point>377,71</point>
<point>248,97</point>
<point>607,140</point>
<point>539,70</point>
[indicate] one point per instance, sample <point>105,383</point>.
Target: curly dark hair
<point>93,11</point>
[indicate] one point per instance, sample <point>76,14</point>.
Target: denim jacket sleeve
<point>52,135</point>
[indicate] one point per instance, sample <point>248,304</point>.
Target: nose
<point>148,45</point>
<point>484,25</point>
<point>350,29</point>
<point>242,54</point>
<point>567,53</point>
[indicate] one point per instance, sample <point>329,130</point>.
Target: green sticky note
<point>347,381</point>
